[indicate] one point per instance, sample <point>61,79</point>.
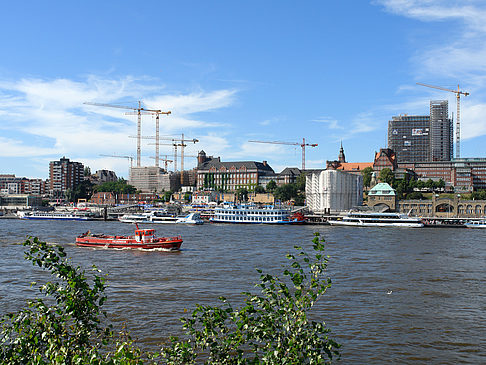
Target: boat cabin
<point>144,235</point>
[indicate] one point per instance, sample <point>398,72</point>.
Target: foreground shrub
<point>64,325</point>
<point>270,328</point>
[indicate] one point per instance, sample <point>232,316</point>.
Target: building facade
<point>444,208</point>
<point>441,131</point>
<point>212,174</point>
<point>150,179</point>
<point>382,196</point>
<point>408,137</point>
<point>63,175</point>
<point>331,191</point>
<point>421,138</point>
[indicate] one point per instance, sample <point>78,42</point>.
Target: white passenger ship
<point>366,219</point>
<point>161,217</point>
<point>51,215</point>
<point>248,213</point>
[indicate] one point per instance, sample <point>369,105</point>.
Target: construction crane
<point>165,160</point>
<point>302,145</point>
<point>139,113</point>
<point>119,156</point>
<point>458,93</point>
<point>157,114</point>
<point>176,143</point>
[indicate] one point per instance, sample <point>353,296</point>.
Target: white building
<point>332,191</point>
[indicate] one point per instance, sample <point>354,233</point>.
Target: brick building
<point>212,174</point>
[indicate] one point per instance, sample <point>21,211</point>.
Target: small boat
<point>51,215</point>
<point>372,219</point>
<point>143,239</point>
<point>476,223</point>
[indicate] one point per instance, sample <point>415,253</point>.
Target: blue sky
<point>231,72</point>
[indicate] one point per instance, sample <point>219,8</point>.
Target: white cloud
<point>53,110</point>
<point>16,148</point>
<point>462,60</point>
<point>331,122</point>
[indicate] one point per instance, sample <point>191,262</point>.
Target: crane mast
<point>302,145</point>
<point>458,93</point>
<point>138,111</point>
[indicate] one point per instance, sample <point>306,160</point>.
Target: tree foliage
<point>120,187</point>
<point>271,328</point>
<point>271,186</point>
<point>63,326</point>
<point>259,189</point>
<point>242,194</point>
<point>367,174</point>
<point>387,176</point>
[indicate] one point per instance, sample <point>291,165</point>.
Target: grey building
<point>441,131</point>
<point>408,137</point>
<point>422,138</point>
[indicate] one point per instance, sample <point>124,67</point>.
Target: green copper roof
<point>382,189</point>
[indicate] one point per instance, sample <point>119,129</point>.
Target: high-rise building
<point>408,137</point>
<point>422,138</point>
<point>63,175</point>
<point>441,131</point>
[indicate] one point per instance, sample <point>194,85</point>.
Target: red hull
<point>166,243</point>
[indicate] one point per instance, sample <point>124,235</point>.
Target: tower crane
<point>120,156</point>
<point>139,113</point>
<point>176,143</point>
<point>458,93</point>
<point>157,114</point>
<point>302,145</point>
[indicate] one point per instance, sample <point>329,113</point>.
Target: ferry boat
<point>367,219</point>
<point>161,217</point>
<point>143,239</point>
<point>476,223</point>
<point>248,213</point>
<point>51,215</point>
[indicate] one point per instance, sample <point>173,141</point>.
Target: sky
<point>231,72</point>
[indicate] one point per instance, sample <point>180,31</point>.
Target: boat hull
<point>172,243</point>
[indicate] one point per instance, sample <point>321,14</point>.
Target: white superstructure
<point>333,191</point>
<point>248,213</point>
<point>366,219</point>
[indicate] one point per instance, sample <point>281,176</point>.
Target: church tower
<point>341,157</point>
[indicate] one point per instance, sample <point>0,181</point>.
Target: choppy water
<point>435,314</point>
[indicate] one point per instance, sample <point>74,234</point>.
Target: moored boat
<point>249,213</point>
<point>51,215</point>
<point>372,219</point>
<point>161,217</point>
<point>481,223</point>
<point>143,239</point>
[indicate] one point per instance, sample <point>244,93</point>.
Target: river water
<point>398,295</point>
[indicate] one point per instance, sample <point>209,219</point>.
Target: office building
<point>441,131</point>
<point>63,175</point>
<point>212,174</point>
<point>408,137</point>
<point>422,138</point>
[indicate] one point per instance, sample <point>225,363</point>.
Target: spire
<point>341,157</point>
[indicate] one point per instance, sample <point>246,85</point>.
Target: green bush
<point>64,325</point>
<point>271,328</point>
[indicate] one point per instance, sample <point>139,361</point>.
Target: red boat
<point>144,239</point>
